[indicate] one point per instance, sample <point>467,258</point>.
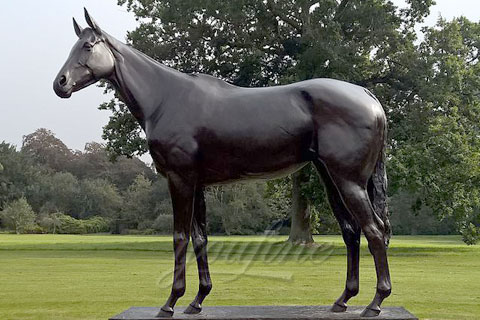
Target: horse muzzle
<point>62,87</point>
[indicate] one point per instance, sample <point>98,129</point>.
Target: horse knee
<point>205,287</point>
<point>352,288</point>
<point>384,291</point>
<point>178,290</point>
<point>384,288</point>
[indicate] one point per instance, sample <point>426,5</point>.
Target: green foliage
<point>68,200</point>
<point>56,191</point>
<point>88,184</point>
<point>94,163</point>
<point>258,43</point>
<point>163,224</point>
<point>139,209</point>
<point>429,90</point>
<point>18,216</point>
<point>123,135</point>
<point>18,175</point>
<point>49,222</point>
<point>408,215</point>
<point>238,209</point>
<point>46,149</point>
<point>99,197</point>
<point>279,199</point>
<point>470,234</point>
<point>69,225</point>
<point>437,154</point>
<point>97,224</point>
<point>278,196</point>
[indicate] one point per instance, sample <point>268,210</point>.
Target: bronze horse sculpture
<point>203,131</point>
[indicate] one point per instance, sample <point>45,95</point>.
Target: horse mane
<point>118,49</point>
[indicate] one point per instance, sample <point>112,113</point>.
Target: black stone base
<point>265,313</point>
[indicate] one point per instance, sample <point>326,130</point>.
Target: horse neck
<point>142,83</point>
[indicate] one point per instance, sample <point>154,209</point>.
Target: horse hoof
<point>165,312</point>
<point>368,312</point>
<point>192,310</point>
<point>338,308</point>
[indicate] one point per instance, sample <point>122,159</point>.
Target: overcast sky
<point>36,37</point>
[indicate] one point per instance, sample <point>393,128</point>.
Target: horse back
<point>232,133</point>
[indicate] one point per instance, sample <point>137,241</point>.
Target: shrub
<point>35,229</point>
<point>69,225</point>
<point>18,216</point>
<point>96,224</point>
<point>163,224</point>
<point>470,234</point>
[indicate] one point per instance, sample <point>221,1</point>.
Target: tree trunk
<point>300,231</point>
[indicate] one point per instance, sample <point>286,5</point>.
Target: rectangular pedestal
<point>265,313</point>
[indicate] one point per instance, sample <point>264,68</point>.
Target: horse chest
<point>178,152</point>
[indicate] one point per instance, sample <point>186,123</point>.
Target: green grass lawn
<point>94,277</point>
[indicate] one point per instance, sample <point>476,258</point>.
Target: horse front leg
<point>199,239</point>
<point>182,192</point>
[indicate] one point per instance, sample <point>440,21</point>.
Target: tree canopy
<point>428,88</point>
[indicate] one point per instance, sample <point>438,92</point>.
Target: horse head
<point>90,60</point>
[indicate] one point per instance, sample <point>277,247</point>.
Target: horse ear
<point>78,29</point>
<point>92,22</point>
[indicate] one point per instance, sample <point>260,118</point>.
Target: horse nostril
<point>62,81</point>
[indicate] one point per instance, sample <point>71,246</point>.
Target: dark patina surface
<point>202,131</point>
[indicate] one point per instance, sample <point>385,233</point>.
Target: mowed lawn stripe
<point>96,276</point>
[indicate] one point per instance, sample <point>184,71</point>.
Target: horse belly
<point>255,157</point>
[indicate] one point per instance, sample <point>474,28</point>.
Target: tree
<point>18,176</point>
<point>18,215</point>
<point>94,162</point>
<point>301,230</point>
<point>55,191</point>
<point>46,149</point>
<point>437,151</point>
<point>258,43</point>
<point>50,222</point>
<point>238,209</point>
<point>139,208</point>
<point>99,198</point>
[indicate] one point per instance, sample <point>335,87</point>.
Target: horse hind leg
<point>351,236</point>
<point>355,196</point>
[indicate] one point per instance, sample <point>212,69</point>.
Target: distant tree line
<point>47,188</point>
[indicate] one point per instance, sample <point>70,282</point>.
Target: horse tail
<point>378,189</point>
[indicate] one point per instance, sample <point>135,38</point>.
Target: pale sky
<point>36,37</point>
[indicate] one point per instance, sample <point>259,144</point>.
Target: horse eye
<point>88,45</point>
